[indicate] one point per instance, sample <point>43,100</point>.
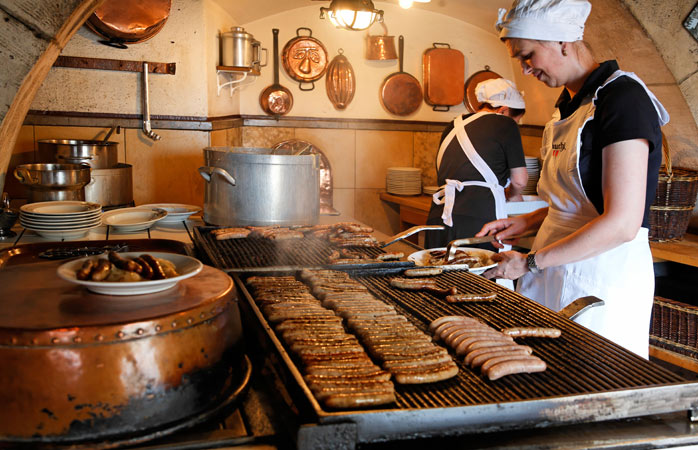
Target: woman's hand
<point>503,228</point>
<point>512,265</point>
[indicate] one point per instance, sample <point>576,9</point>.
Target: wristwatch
<point>531,262</point>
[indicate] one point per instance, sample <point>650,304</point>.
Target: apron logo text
<point>557,148</point>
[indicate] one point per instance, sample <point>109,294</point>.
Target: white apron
<point>622,277</point>
<point>447,195</point>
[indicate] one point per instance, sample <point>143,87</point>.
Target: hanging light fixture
<point>352,14</point>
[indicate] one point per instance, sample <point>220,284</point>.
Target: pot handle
<point>23,175</point>
<point>92,181</point>
<point>207,172</point>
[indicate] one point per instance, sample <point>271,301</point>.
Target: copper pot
<point>380,47</point>
<point>79,366</point>
<point>304,59</point>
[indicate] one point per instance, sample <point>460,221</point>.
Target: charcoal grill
<point>254,255</point>
<point>589,378</point>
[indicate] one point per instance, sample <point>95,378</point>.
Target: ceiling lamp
<point>352,14</point>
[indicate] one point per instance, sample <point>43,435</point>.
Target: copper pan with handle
<point>121,22</point>
<point>470,98</point>
<point>401,93</point>
<point>276,99</point>
<point>305,59</point>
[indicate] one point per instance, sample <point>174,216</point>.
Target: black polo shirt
<point>624,111</point>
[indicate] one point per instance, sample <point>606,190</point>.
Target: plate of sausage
<point>130,273</point>
<point>475,260</point>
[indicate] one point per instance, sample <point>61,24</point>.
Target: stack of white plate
<point>61,219</point>
<point>430,190</point>
<point>404,180</point>
<point>533,168</point>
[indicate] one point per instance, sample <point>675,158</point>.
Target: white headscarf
<point>544,20</point>
<point>499,92</point>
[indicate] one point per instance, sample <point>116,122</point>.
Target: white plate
<point>63,234</point>
<point>133,219</point>
<point>60,208</point>
<point>186,266</point>
<point>61,227</point>
<point>176,212</point>
<point>421,258</point>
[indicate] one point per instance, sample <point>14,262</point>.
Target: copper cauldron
<point>79,367</point>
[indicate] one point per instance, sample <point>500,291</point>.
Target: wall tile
<point>426,146</point>
<point>378,150</point>
<point>218,138</point>
<point>343,201</point>
<point>229,137</point>
<point>531,145</point>
<point>339,146</point>
<point>371,210</point>
<point>23,153</point>
<point>84,133</point>
<point>265,137</point>
<point>166,171</point>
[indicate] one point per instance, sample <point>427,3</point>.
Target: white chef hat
<point>499,92</point>
<point>544,20</point>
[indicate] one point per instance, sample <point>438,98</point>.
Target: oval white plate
<point>176,212</point>
<point>421,258</point>
<point>60,227</point>
<point>60,208</point>
<point>186,266</point>
<point>64,234</point>
<point>133,219</point>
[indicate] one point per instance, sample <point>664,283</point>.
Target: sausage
<point>146,270</point>
<point>461,298</point>
<point>501,358</point>
<point>505,347</point>
<point>445,292</point>
<point>423,272</point>
<point>84,271</point>
<point>515,366</point>
<point>158,273</point>
<point>124,263</point>
<point>359,399</point>
<point>444,319</point>
<point>410,284</point>
<point>513,352</point>
<point>467,347</point>
<point>426,376</point>
<point>230,233</point>
<point>532,332</point>
<point>390,256</point>
<point>102,270</point>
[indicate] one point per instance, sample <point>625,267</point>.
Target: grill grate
<point>579,362</point>
<point>259,254</point>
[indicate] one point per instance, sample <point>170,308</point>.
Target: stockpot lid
<point>255,155</point>
<point>76,143</point>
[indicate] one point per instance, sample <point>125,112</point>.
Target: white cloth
<point>544,20</point>
<point>447,194</point>
<point>499,92</point>
<point>622,277</point>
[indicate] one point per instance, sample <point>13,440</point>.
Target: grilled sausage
<point>102,270</point>
<point>444,319</point>
<point>532,332</point>
<point>513,352</point>
<point>390,256</point>
<point>158,272</point>
<point>359,399</point>
<point>230,233</point>
<point>463,298</point>
<point>423,272</point>
<point>85,270</point>
<point>467,347</point>
<point>505,347</point>
<point>411,284</point>
<point>146,270</point>
<point>502,358</point>
<point>448,370</point>
<point>515,366</point>
<point>124,263</point>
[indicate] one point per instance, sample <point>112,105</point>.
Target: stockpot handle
<point>207,172</point>
<point>23,175</point>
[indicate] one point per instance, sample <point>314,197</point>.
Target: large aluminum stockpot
<point>97,154</point>
<point>111,187</point>
<point>254,186</point>
<point>48,182</point>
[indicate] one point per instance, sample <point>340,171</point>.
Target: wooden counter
<point>684,251</point>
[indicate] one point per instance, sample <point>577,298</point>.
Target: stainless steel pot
<point>47,182</point>
<point>98,154</point>
<point>111,187</point>
<point>241,49</point>
<point>253,186</point>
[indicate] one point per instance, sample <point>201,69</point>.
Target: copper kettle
<point>380,47</point>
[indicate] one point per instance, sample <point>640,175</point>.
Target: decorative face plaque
<point>691,22</point>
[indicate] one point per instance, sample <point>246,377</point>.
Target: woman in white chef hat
<point>601,154</point>
<point>478,155</point>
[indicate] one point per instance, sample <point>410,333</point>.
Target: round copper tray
<point>122,22</point>
<point>470,99</point>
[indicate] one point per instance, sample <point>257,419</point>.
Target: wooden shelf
<point>247,70</point>
<point>684,251</point>
<point>676,359</point>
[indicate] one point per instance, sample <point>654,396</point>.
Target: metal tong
<point>410,232</point>
<point>146,106</point>
<point>451,248</point>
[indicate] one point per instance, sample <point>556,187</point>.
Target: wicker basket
<point>673,326</point>
<point>674,202</point>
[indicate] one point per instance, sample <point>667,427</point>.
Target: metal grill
<point>588,378</point>
<point>265,255</point>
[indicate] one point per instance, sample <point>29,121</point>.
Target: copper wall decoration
<point>304,59</point>
<point>340,81</point>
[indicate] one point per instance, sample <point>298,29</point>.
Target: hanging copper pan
<point>304,59</point>
<point>401,93</point>
<point>276,99</point>
<point>121,22</point>
<point>470,99</point>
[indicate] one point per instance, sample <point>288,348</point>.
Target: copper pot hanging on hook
<point>380,47</point>
<point>304,59</point>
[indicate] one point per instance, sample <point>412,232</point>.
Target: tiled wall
<point>166,170</point>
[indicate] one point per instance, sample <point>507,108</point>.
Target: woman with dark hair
<point>601,154</point>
